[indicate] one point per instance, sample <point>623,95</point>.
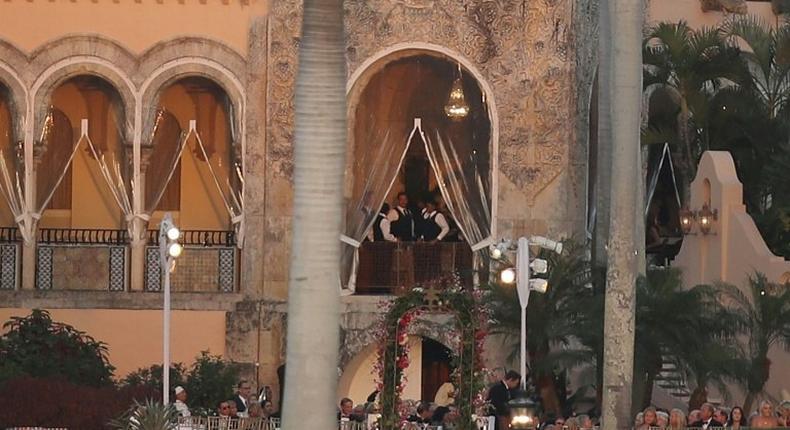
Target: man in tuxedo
<point>401,219</point>
<point>423,415</point>
<point>243,390</point>
<point>706,417</point>
<point>499,394</point>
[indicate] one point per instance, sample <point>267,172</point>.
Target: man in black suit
<point>243,390</point>
<point>499,394</point>
<point>706,418</point>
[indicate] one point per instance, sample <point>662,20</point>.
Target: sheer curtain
<point>464,183</point>
<point>375,170</point>
<point>12,169</point>
<point>227,179</point>
<point>167,144</point>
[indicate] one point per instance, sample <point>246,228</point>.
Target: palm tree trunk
<point>319,153</point>
<point>625,93</point>
<point>688,166</point>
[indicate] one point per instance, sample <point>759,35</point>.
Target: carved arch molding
<point>523,48</point>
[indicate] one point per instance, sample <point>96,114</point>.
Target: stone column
<point>623,86</point>
<point>28,266</point>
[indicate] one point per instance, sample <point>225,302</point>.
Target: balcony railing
<point>384,266</point>
<point>10,256</point>
<point>205,238</point>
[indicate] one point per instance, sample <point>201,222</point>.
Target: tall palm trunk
<point>625,93</point>
<point>688,166</point>
<point>313,298</point>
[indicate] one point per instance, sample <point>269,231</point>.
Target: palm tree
<point>752,121</point>
<point>320,143</point>
<point>690,66</point>
<point>682,325</point>
<point>763,314</point>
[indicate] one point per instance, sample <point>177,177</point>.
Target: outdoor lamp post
<point>169,250</point>
<point>523,413</point>
<point>524,285</point>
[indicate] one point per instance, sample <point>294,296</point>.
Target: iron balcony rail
<point>82,236</point>
<point>207,238</point>
<point>10,234</point>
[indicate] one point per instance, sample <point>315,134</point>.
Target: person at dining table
<point>765,416</point>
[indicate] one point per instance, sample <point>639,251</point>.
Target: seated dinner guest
<point>180,403</point>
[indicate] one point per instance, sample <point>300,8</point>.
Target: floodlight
<point>508,276</point>
<point>539,265</point>
<point>538,285</point>
<point>545,243</point>
<point>173,233</point>
<point>175,249</point>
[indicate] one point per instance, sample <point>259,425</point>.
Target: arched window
<point>10,151</point>
<point>205,177</point>
<point>82,198</point>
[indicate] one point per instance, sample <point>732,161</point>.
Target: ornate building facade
<point>147,74</point>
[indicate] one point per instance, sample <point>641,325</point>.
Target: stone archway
<point>358,362</point>
<point>431,70</point>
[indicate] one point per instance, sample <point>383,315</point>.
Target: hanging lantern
<point>456,107</point>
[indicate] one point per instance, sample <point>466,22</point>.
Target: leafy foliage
<point>705,92</point>
<point>38,347</point>
<point>690,67</point>
<point>208,381</point>
<point>762,313</point>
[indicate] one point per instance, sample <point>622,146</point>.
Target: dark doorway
<point>435,367</point>
<point>417,173</point>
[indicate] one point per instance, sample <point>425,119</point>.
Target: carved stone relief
<point>522,48</point>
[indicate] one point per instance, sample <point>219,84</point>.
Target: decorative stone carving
<point>521,48</point>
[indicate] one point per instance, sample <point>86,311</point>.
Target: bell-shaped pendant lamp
<point>456,107</point>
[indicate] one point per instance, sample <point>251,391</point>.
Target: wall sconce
<point>686,220</point>
<point>706,218</point>
<point>703,218</point>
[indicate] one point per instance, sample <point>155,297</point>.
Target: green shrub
<point>38,347</point>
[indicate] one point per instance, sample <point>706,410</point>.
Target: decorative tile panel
<point>117,268</point>
<point>9,255</point>
<point>153,277</point>
<point>227,270</point>
<point>44,267</point>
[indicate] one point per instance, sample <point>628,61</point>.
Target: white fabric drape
<point>378,166</point>
<point>655,172</point>
<point>465,189</point>
<point>167,145</point>
<point>224,177</point>
<point>120,185</point>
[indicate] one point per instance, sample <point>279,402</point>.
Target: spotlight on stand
<point>523,413</point>
<point>169,250</point>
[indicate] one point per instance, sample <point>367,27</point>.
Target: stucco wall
<point>134,337</point>
<point>135,24</point>
<point>735,250</point>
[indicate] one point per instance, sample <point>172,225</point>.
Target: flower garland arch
<point>471,315</point>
